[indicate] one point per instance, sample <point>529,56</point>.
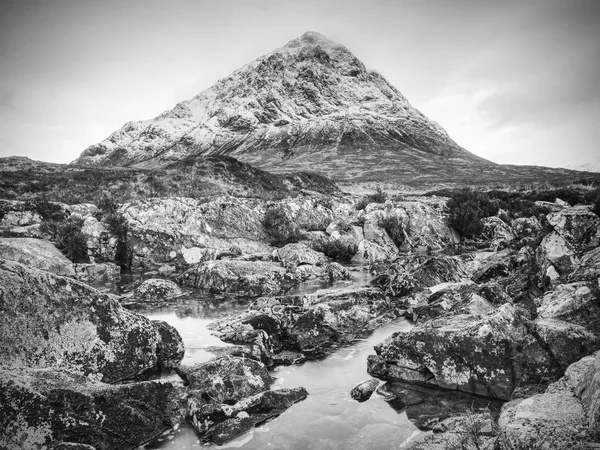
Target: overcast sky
<point>514,81</point>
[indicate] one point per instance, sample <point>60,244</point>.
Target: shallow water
<point>327,419</point>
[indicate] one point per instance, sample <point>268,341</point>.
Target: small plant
<point>280,228</point>
<point>66,235</point>
<point>379,196</point>
<point>394,228</point>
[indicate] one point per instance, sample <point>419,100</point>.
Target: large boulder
<point>579,226</point>
<point>497,232</point>
<point>555,258</point>
<point>554,419</point>
<point>48,321</point>
<point>101,242</point>
<point>575,303</point>
<point>36,253</point>
<point>294,255</point>
<point>486,356</point>
<point>239,277</point>
<point>588,268</point>
<point>45,408</point>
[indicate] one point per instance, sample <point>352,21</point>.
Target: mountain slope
<point>311,103</point>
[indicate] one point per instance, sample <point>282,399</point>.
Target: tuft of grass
<point>379,196</point>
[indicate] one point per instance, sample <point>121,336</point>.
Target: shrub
<point>596,206</point>
<point>337,249</point>
<point>48,210</point>
<point>66,235</point>
<point>466,209</point>
<point>279,227</point>
<point>394,228</point>
<point>379,196</point>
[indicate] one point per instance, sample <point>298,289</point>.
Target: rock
<point>334,271</point>
<point>170,349</point>
<point>587,388</point>
<point>19,218</point>
<point>220,423</point>
<point>374,233</point>
<point>453,299</point>
<point>575,303</point>
<point>293,255</point>
<point>101,242</point>
<point>225,380</point>
<point>44,408</point>
<point>579,226</point>
<point>97,272</point>
<point>156,289</point>
<point>556,252</point>
<point>371,253</point>
<point>51,321</point>
<point>488,356</point>
<point>82,210</point>
<point>243,278</point>
<point>588,268</point>
<point>497,231</point>
<point>363,391</point>
<point>527,228</point>
<point>36,253</point>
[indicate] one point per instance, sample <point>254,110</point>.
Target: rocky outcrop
<point>48,321</point>
<point>579,226</point>
<point>488,356</point>
<point>36,253</point>
<point>45,408</point>
<point>558,418</point>
<point>156,289</point>
<point>227,396</point>
<point>310,324</point>
<point>242,278</point>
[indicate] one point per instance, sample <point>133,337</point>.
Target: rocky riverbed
<point>254,331</point>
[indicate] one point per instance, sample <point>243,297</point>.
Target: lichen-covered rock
<point>42,408</point>
<point>575,303</point>
<point>555,252</point>
<point>170,349</point>
<point>527,228</point>
<point>452,299</point>
<point>82,210</point>
<point>309,324</point>
<point>220,423</point>
<point>36,253</point>
<point>52,321</point>
<point>587,388</point>
<point>554,419</point>
<point>497,231</point>
<point>579,226</point>
<point>294,255</point>
<point>487,356</point>
<point>157,289</point>
<point>97,272</point>
<point>588,268</point>
<point>243,278</point>
<point>101,242</point>
<point>363,391</point>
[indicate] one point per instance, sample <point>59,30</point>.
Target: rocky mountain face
<point>309,104</point>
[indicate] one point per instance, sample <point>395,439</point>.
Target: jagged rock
<point>170,349</point>
<point>36,253</point>
<point>243,278</point>
<point>588,390</point>
<point>374,233</point>
<point>555,252</point>
<point>222,423</point>
<point>52,321</point>
<point>527,228</point>
<point>554,419</point>
<point>310,324</point>
<point>101,242</point>
<point>588,268</point>
<point>497,231</point>
<point>363,391</point>
<point>575,303</point>
<point>293,255</point>
<point>487,356</point>
<point>44,408</point>
<point>97,273</point>
<point>579,226</point>
<point>156,289</point>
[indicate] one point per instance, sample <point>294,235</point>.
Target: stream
<point>329,418</point>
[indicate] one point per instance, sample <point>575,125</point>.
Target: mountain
<point>310,105</point>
